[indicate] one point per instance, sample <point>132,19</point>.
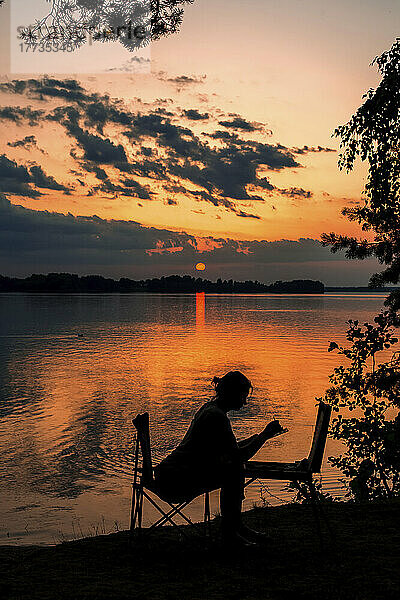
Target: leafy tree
<point>70,21</point>
<point>167,16</point>
<point>372,390</point>
<point>372,134</point>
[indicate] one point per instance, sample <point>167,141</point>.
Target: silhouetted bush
<point>371,389</point>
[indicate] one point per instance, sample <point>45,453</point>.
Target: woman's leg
<point>231,497</point>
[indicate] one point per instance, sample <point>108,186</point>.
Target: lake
<point>75,369</point>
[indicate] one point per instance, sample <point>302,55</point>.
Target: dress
<point>207,452</point>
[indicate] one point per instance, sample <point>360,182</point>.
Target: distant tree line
<point>71,283</point>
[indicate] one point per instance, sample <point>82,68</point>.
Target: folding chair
<point>143,483</point>
<point>300,471</point>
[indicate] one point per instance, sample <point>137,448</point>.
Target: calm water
<point>76,368</point>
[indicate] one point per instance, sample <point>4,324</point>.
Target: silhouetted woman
<point>209,456</point>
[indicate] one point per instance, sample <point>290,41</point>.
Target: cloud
<point>42,241</point>
<point>96,149</point>
<point>180,140</point>
<point>145,151</point>
<point>308,149</point>
<point>54,238</point>
<point>20,115</point>
<point>295,192</point>
<point>69,89</point>
<point>223,135</point>
<point>41,180</point>
<point>241,213</point>
<point>182,80</point>
<point>228,173</point>
<point>16,179</point>
<point>141,192</point>
<point>93,168</point>
<point>228,170</point>
<point>194,115</point>
<point>240,123</point>
<point>28,142</point>
<point>133,65</point>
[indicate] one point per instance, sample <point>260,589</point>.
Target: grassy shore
<point>165,565</point>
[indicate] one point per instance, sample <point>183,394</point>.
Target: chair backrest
<point>319,440</point>
<point>142,424</point>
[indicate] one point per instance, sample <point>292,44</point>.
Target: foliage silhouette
<point>72,21</point>
<point>372,390</point>
<point>372,134</point>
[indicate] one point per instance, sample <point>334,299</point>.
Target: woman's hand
<point>272,429</point>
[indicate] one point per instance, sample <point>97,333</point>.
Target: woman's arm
<point>251,445</point>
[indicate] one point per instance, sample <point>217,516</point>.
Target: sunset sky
<point>222,153</point>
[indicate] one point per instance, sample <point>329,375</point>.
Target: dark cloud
<point>42,241</point>
<point>16,179</point>
<point>163,112</point>
<point>59,239</point>
<point>135,187</point>
<point>97,149</point>
<point>28,142</point>
<point>20,115</point>
<point>152,169</point>
<point>41,180</point>
<point>225,171</point>
<point>240,123</point>
<point>101,111</point>
<point>145,151</point>
<point>223,135</point>
<point>228,173</point>
<point>179,140</point>
<point>69,89</point>
<point>307,149</point>
<point>132,65</point>
<point>93,168</point>
<point>221,201</point>
<point>128,187</point>
<point>294,192</point>
<point>265,183</point>
<point>241,213</point>
<point>194,115</point>
<point>176,188</point>
<point>182,80</point>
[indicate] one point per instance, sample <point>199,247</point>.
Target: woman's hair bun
<point>231,382</point>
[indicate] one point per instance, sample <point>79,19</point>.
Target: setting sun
<point>200,266</point>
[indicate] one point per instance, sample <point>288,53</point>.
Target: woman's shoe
<point>254,536</point>
<point>236,540</point>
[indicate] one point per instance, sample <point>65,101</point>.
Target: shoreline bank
<point>166,565</point>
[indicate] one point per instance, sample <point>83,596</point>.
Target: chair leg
<point>138,495</point>
<point>174,510</point>
<point>140,511</point>
<point>136,510</point>
<point>167,516</point>
<point>133,511</point>
<point>207,514</point>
